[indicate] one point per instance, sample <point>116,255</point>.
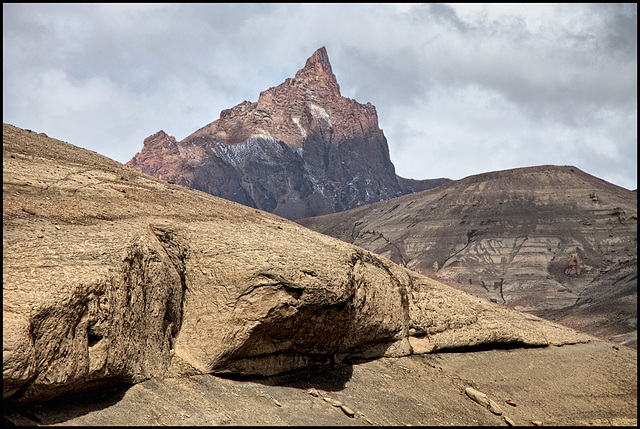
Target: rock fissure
<point>501,292</point>
<point>176,251</point>
<point>402,260</point>
<point>353,231</point>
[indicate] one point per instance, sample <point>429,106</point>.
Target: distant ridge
<point>551,240</point>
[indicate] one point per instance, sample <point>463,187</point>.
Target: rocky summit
<point>131,300</point>
<point>550,240</point>
<point>301,150</point>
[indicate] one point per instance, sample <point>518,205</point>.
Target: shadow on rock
<point>330,378</point>
<point>63,408</point>
<point>492,346</point>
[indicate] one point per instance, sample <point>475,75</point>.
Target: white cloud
<point>453,84</point>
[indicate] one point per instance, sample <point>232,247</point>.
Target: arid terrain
<point>553,241</point>
<point>550,240</point>
<point>129,300</point>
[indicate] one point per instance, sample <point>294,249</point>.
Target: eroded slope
<point>539,239</point>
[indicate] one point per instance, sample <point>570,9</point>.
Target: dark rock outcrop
<point>574,266</point>
<point>301,150</point>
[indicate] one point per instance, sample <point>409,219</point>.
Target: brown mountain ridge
<point>301,150</point>
<point>550,240</point>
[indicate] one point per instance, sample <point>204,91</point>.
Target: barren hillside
<point>549,240</point>
<point>150,303</point>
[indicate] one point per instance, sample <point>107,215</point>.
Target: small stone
<point>332,401</point>
<point>508,421</point>
<point>277,403</point>
<point>30,211</point>
<point>123,190</point>
<point>494,408</point>
<point>348,411</point>
<point>477,396</point>
<point>536,422</point>
<point>510,402</point>
<point>313,392</point>
<point>483,400</point>
<point>57,227</point>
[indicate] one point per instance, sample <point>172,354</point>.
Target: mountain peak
<point>318,68</point>
<point>295,109</point>
<point>300,150</point>
<point>319,62</point>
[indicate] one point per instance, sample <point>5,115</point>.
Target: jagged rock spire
<point>307,149</point>
<point>318,67</point>
<point>319,61</point>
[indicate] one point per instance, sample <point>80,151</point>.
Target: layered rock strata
<point>518,237</point>
<point>111,276</point>
<point>301,150</point>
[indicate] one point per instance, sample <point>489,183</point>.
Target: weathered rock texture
<point>111,276</point>
<point>517,237</point>
<point>301,150</point>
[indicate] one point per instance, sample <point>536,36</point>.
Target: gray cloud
<point>459,89</point>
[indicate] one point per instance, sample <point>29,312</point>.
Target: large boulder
<point>111,276</point>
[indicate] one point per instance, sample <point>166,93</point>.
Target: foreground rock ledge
<point>589,384</point>
<point>112,277</point>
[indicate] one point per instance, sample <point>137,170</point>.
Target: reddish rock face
<point>156,146</point>
<point>308,103</point>
<point>301,150</point>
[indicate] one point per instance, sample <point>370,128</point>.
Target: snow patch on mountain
<point>300,127</point>
<point>319,112</point>
<point>257,148</point>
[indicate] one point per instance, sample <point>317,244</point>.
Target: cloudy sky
<point>460,89</point>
